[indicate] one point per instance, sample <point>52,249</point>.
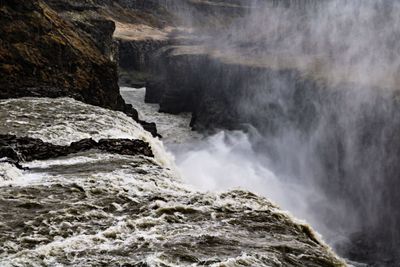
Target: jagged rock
<point>28,149</point>
<point>84,144</point>
<point>150,127</point>
<point>125,147</point>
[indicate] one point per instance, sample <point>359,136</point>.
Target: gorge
<point>291,102</point>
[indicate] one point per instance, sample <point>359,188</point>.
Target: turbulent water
<point>173,128</point>
<point>100,209</point>
<point>319,81</point>
<point>228,161</point>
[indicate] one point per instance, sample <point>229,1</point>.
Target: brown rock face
<point>44,53</point>
<point>39,49</point>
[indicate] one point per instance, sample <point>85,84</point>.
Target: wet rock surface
<point>29,149</point>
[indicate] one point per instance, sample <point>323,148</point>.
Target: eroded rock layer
<point>29,149</point>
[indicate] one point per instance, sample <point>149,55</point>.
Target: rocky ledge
<point>28,149</point>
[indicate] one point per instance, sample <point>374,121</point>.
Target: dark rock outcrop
<point>135,59</point>
<point>207,87</point>
<point>40,49</point>
<point>44,54</point>
<point>29,149</point>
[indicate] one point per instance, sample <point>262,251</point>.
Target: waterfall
<point>318,81</point>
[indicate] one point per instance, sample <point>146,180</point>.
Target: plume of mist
<point>327,112</point>
<point>338,40</point>
<point>227,160</point>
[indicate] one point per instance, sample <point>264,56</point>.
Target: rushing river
<point>100,209</point>
<point>227,160</point>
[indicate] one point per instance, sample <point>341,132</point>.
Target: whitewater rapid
<point>225,161</point>
<point>99,209</point>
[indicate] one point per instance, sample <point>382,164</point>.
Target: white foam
<point>8,172</point>
<point>76,121</point>
<point>12,176</point>
<point>174,128</point>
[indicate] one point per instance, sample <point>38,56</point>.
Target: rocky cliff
<point>43,53</point>
<point>53,49</point>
